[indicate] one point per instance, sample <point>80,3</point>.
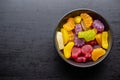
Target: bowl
<point>94,15</point>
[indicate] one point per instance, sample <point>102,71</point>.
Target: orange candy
<point>71,36</point>
<point>97,53</point>
<point>69,25</point>
<point>87,19</point>
<point>99,38</point>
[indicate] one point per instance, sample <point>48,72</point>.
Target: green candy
<point>87,35</point>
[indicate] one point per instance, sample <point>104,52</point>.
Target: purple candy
<point>79,41</point>
<point>78,28</point>
<point>98,25</point>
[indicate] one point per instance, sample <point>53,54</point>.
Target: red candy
<point>93,42</point>
<point>80,59</point>
<point>88,56</point>
<point>76,52</point>
<point>86,49</point>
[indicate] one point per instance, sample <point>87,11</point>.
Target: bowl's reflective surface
<point>94,15</point>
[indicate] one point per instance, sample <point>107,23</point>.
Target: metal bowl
<point>94,15</point>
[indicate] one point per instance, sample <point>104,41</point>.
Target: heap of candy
<point>82,38</point>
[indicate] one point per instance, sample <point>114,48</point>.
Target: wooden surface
<point>26,40</point>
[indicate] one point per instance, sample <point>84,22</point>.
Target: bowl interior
<point>94,15</point>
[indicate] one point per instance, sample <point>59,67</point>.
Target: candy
<point>79,41</point>
<point>82,39</point>
<point>93,42</point>
<point>76,52</point>
<point>80,59</point>
<point>105,40</point>
<point>86,49</point>
<point>78,28</point>
<point>88,56</point>
<point>97,53</point>
<point>69,25</point>
<point>65,36</point>
<point>87,35</point>
<point>96,46</point>
<point>99,38</point>
<point>71,36</point>
<point>87,19</point>
<point>77,19</point>
<point>67,50</point>
<point>83,25</point>
<point>60,40</point>
<point>98,25</point>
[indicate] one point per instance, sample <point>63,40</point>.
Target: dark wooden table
<point>26,40</point>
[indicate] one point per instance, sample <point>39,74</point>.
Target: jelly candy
<point>71,36</point>
<point>87,19</point>
<point>87,35</point>
<point>80,59</point>
<point>98,25</point>
<point>88,56</point>
<point>96,46</point>
<point>65,36</point>
<point>77,19</point>
<point>69,25</point>
<point>99,38</point>
<point>105,40</point>
<point>78,28</point>
<point>83,25</point>
<point>86,49</point>
<point>76,52</point>
<point>97,53</point>
<point>79,41</point>
<point>67,50</point>
<point>93,42</point>
<point>60,40</point>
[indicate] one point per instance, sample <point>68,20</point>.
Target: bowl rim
<point>66,60</point>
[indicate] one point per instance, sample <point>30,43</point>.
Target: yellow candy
<point>65,36</point>
<point>97,53</point>
<point>105,40</point>
<point>69,25</point>
<point>87,19</point>
<point>67,50</point>
<point>77,19</point>
<point>60,40</point>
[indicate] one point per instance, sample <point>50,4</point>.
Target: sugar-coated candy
<point>97,53</point>
<point>87,35</point>
<point>76,51</point>
<point>79,41</point>
<point>87,19</point>
<point>77,19</point>
<point>88,56</point>
<point>80,59</point>
<point>93,42</point>
<point>86,49</point>
<point>98,25</point>
<point>83,25</point>
<point>69,25</point>
<point>105,40</point>
<point>78,28</point>
<point>67,50</point>
<point>99,38</point>
<point>65,36</point>
<point>60,40</point>
<point>96,46</point>
<point>71,36</point>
